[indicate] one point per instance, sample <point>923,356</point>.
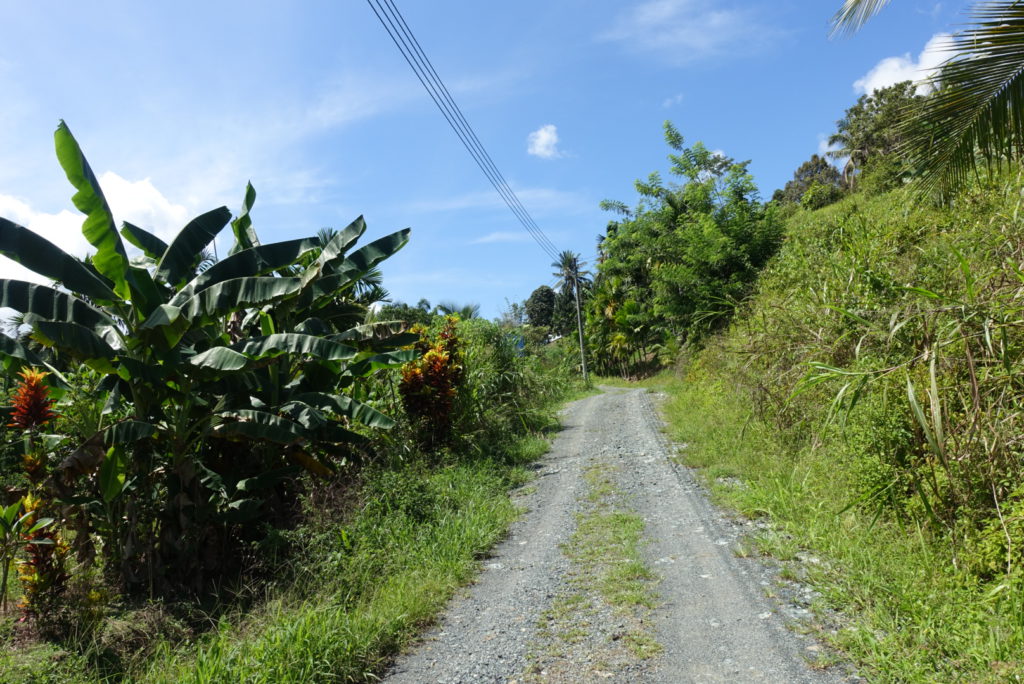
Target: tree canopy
<point>673,268</point>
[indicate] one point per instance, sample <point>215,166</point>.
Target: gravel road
<point>713,619</point>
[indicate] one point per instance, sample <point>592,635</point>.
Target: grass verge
<point>907,614</point>
<point>373,583</point>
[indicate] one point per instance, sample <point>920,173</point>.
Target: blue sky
<point>177,105</point>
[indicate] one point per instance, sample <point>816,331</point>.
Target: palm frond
<point>854,14</point>
<point>978,106</point>
<point>463,311</point>
<point>372,295</point>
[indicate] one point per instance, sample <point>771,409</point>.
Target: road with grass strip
<point>619,570</point>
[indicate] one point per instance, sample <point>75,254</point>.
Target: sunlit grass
<point>358,608</point>
<point>909,616</point>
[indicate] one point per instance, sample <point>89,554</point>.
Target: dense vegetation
<point>191,438</point>
<point>673,268</point>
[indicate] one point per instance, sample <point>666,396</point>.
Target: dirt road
<point>538,613</point>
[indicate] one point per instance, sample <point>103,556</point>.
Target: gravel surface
<point>713,618</point>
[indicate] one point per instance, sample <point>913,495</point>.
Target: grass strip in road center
<point>599,624</point>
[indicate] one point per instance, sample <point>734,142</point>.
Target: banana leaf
<point>185,251</point>
<point>81,342</point>
<point>238,293</point>
<point>110,259</point>
<point>38,254</point>
<point>238,356</point>
<point>343,405</point>
<point>364,365</point>
<point>365,258</point>
<point>15,354</point>
<point>256,261</point>
<point>258,425</point>
<point>333,250</point>
<point>382,335</point>
<point>152,246</point>
<point>245,235</point>
<point>169,322</point>
<point>50,304</point>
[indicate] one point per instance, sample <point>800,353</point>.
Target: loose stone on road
<point>530,616</point>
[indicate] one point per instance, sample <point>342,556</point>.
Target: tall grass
<point>367,591</point>
<point>909,615</point>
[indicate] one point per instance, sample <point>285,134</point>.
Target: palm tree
<point>463,311</point>
<point>571,278</point>
<point>569,271</point>
<point>978,106</point>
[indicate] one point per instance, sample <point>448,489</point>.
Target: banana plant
<point>258,347</point>
<point>159,330</point>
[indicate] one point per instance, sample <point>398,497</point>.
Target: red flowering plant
<point>31,410</point>
<point>43,572</point>
<point>429,384</point>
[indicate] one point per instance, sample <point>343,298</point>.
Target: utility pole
<point>579,319</point>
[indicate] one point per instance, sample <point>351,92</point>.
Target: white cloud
<point>684,31</point>
<point>543,142</point>
<point>502,237</point>
<point>672,101</point>
<point>893,70</point>
<point>140,203</point>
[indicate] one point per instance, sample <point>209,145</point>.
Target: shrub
<point>820,195</point>
<point>430,383</point>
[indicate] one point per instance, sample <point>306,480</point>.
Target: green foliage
<point>43,664</point>
<point>18,527</point>
<point>200,391</point>
<point>372,584</point>
<point>410,315</point>
<point>675,268</point>
<point>211,375</point>
<point>976,112</point>
<point>474,382</point>
<point>563,314</point>
<point>873,130</point>
<point>463,311</point>
<point>378,565</point>
<point>854,13</point>
<point>817,172</point>
<point>820,195</point>
<point>540,307</point>
<point>431,382</point>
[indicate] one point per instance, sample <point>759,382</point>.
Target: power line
<point>422,66</point>
<point>425,61</point>
<point>403,38</point>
